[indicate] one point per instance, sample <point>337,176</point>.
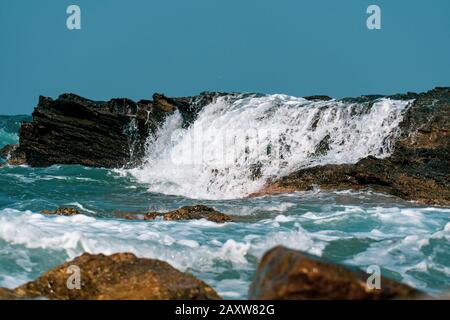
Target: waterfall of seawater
<point>235,145</point>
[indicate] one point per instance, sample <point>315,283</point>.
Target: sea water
<point>410,242</point>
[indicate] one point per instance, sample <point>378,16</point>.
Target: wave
<point>9,128</point>
<point>408,242</point>
<point>236,145</point>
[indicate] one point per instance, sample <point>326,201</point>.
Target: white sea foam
<point>234,146</point>
<point>162,240</point>
<point>209,249</point>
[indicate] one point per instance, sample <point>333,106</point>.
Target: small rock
<point>62,212</point>
<point>190,213</point>
<point>285,274</point>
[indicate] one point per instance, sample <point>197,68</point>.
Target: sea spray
<point>235,145</point>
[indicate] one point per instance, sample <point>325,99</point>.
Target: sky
<point>134,48</point>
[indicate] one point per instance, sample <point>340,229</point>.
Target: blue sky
<point>177,47</point>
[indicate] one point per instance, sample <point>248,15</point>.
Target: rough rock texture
<point>76,130</point>
<point>12,155</point>
<point>418,169</point>
<point>186,213</point>
<point>288,274</point>
<point>62,212</point>
<point>121,276</point>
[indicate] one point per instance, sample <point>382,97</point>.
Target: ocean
<point>408,241</point>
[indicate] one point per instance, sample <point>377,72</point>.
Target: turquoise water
<point>409,242</point>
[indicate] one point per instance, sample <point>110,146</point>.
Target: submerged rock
<point>289,274</point>
<point>121,276</point>
<point>185,213</point>
<point>62,212</point>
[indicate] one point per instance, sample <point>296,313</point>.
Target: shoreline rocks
<point>418,169</point>
<point>120,276</point>
<point>76,130</point>
<point>110,134</point>
<point>285,274</point>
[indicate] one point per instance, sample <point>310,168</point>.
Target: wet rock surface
<point>76,130</point>
<point>121,276</point>
<point>184,213</point>
<point>111,134</point>
<point>418,169</point>
<point>62,212</point>
<point>289,274</point>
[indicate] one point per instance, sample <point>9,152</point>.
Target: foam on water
<point>223,255</point>
<point>235,145</point>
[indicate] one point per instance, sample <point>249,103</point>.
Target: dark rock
<point>121,276</point>
<point>184,213</point>
<point>288,274</point>
<point>318,98</point>
<point>62,212</point>
<point>418,169</point>
<point>76,130</point>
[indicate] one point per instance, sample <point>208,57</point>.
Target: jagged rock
<point>185,213</point>
<point>76,130</point>
<point>62,212</point>
<point>418,169</point>
<point>121,276</point>
<point>318,98</point>
<point>12,156</point>
<point>289,274</point>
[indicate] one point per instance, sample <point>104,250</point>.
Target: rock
<point>7,294</point>
<point>62,212</point>
<point>185,213</point>
<point>12,156</point>
<point>112,134</point>
<point>417,170</point>
<point>121,276</point>
<point>289,274</point>
<point>318,98</point>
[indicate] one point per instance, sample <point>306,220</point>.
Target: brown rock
<point>288,274</point>
<point>120,276</point>
<point>62,212</point>
<point>6,294</point>
<point>185,213</point>
<point>12,156</point>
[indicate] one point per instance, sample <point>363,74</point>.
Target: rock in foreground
<point>288,274</point>
<point>121,276</point>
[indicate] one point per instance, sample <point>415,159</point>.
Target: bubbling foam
<point>236,144</point>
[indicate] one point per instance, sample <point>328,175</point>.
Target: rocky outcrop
<point>76,130</point>
<point>184,213</point>
<point>418,169</point>
<point>120,276</point>
<point>285,274</point>
<point>62,212</point>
